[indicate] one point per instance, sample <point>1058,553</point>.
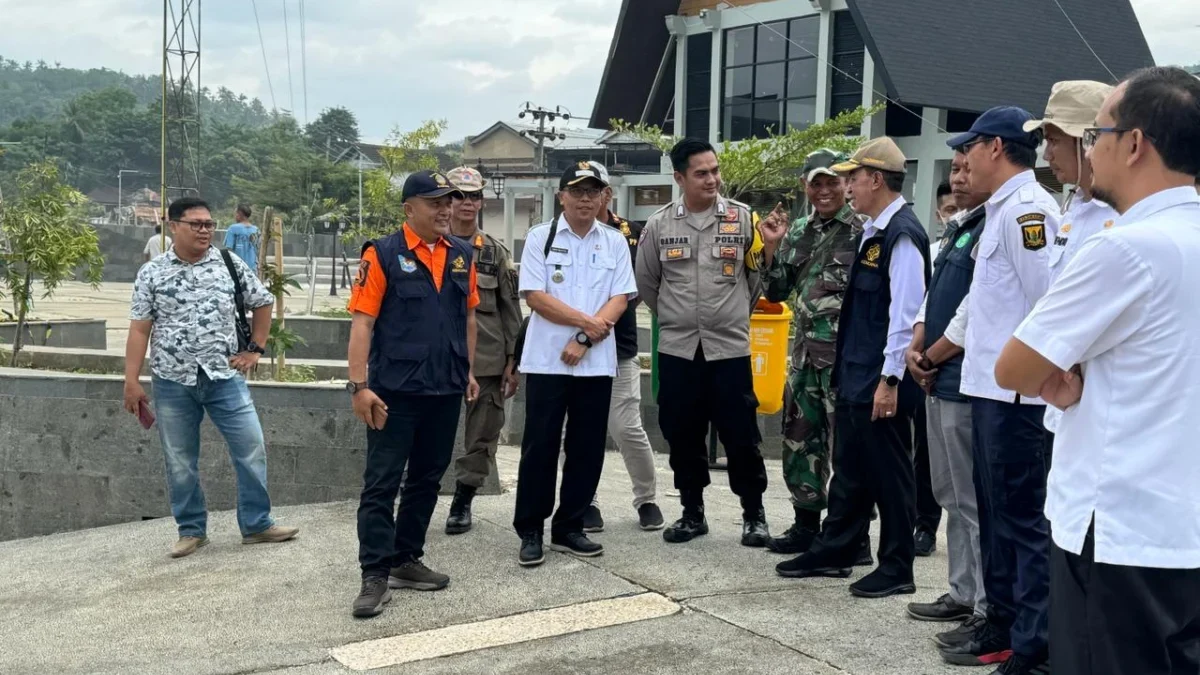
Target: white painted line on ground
<point>470,637</point>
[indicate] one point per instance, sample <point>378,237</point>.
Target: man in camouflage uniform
<point>498,319</point>
<point>814,262</point>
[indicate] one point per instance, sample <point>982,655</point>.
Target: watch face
<point>352,387</point>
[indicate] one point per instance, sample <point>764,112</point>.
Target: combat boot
<point>799,537</point>
<point>754,524</point>
<point>692,524</point>
<point>459,520</point>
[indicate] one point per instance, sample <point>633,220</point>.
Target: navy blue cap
<point>428,185</point>
<point>1006,122</point>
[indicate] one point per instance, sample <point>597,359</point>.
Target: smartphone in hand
<point>145,414</point>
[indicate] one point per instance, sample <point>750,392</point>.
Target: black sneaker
<point>371,599</point>
<point>944,608</point>
<point>415,575</point>
<point>987,646</point>
<point>754,529</point>
<point>687,528</point>
<point>925,541</point>
<point>864,558</point>
<point>577,544</point>
<point>531,554</point>
<point>650,517</point>
<point>878,584</point>
<point>809,565</point>
<point>459,520</point>
<point>957,636</point>
<point>794,540</point>
<point>592,520</point>
<point>1023,665</point>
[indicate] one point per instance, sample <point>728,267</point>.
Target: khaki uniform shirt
<point>694,274</point>
<point>498,316</point>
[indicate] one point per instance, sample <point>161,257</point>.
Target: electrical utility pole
<point>541,116</point>
<point>181,96</point>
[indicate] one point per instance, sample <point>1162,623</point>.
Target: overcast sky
<point>398,62</point>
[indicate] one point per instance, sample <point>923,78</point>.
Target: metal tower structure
<point>180,100</point>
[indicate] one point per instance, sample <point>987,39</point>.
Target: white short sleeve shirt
<point>584,273</point>
<point>1012,273</point>
<point>1125,309</point>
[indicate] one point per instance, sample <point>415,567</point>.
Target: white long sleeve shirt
<point>907,273</point>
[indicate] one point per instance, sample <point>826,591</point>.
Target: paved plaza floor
<point>108,600</point>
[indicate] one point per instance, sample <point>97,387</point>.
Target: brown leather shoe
<point>272,535</point>
<point>187,546</point>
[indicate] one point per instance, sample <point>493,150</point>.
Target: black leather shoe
<point>754,529</point>
<point>593,521</point>
<point>531,554</point>
<point>371,599</point>
<point>864,559</point>
<point>809,565</point>
<point>957,636</point>
<point>687,528</point>
<point>925,542</point>
<point>459,520</point>
<point>795,540</point>
<point>575,543</point>
<point>944,608</point>
<point>878,584</point>
<point>986,646</point>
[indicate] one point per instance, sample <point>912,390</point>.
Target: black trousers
<point>420,434</point>
<point>583,401</point>
<point>1117,620</point>
<point>929,512</point>
<point>872,465</point>
<point>695,393</point>
<point>1009,444</point>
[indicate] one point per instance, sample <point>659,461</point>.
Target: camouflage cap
<point>467,179</point>
<point>821,162</point>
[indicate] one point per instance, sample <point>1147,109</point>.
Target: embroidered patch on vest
<point>407,266</point>
<point>459,266</point>
<point>871,258</point>
<point>963,240</point>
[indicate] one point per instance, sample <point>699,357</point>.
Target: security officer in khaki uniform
<point>498,319</point>
<point>697,270</point>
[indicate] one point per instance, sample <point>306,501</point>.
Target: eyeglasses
<point>200,225</point>
<point>581,192</point>
<point>965,148</point>
<point>1092,134</point>
<point>472,196</point>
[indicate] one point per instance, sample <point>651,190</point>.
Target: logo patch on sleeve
<point>364,268</point>
<point>1034,236</point>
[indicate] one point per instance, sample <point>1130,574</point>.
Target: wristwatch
<point>253,347</point>
<point>582,338</point>
<point>355,387</point>
<point>891,381</point>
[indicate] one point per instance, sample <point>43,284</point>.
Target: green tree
<point>404,153</point>
<point>43,239</point>
<point>771,164</point>
<point>334,130</point>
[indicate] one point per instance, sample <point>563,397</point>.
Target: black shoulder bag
<point>241,325</point>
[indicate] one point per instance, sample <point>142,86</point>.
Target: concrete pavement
<point>108,600</point>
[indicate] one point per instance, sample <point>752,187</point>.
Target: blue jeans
<point>180,409</point>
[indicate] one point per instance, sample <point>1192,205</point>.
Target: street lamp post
<point>121,192</point>
<point>483,173</point>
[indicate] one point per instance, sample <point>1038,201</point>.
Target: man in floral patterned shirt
<point>183,305</point>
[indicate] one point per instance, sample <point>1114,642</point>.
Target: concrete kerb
<point>65,333</point>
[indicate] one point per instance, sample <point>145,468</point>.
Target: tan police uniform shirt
<point>693,273</point>
<point>498,316</point>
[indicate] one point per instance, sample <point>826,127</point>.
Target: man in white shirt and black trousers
<point>577,278</point>
<point>1115,343</point>
<point>873,461</point>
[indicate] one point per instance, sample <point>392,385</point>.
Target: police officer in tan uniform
<point>697,270</point>
<point>498,319</point>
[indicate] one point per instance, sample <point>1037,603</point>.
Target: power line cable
<point>287,44</point>
<point>304,61</point>
<point>271,87</point>
<point>1085,42</point>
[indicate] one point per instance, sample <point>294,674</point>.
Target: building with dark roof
<point>733,69</point>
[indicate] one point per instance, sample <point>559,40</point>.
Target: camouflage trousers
<point>808,435</point>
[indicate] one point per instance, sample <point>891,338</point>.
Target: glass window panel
<point>802,78</point>
<point>768,118</point>
<point>696,124</point>
<point>739,84</point>
<point>807,33</point>
<point>772,42</point>
<point>802,113</point>
<point>738,122</point>
<point>769,81</point>
<point>699,48</point>
<point>739,46</point>
<point>699,89</point>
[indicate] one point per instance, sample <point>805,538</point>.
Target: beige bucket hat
<point>1073,106</point>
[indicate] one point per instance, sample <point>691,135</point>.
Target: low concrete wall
<point>68,333</point>
<point>326,338</point>
<point>97,362</point>
<point>71,458</point>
